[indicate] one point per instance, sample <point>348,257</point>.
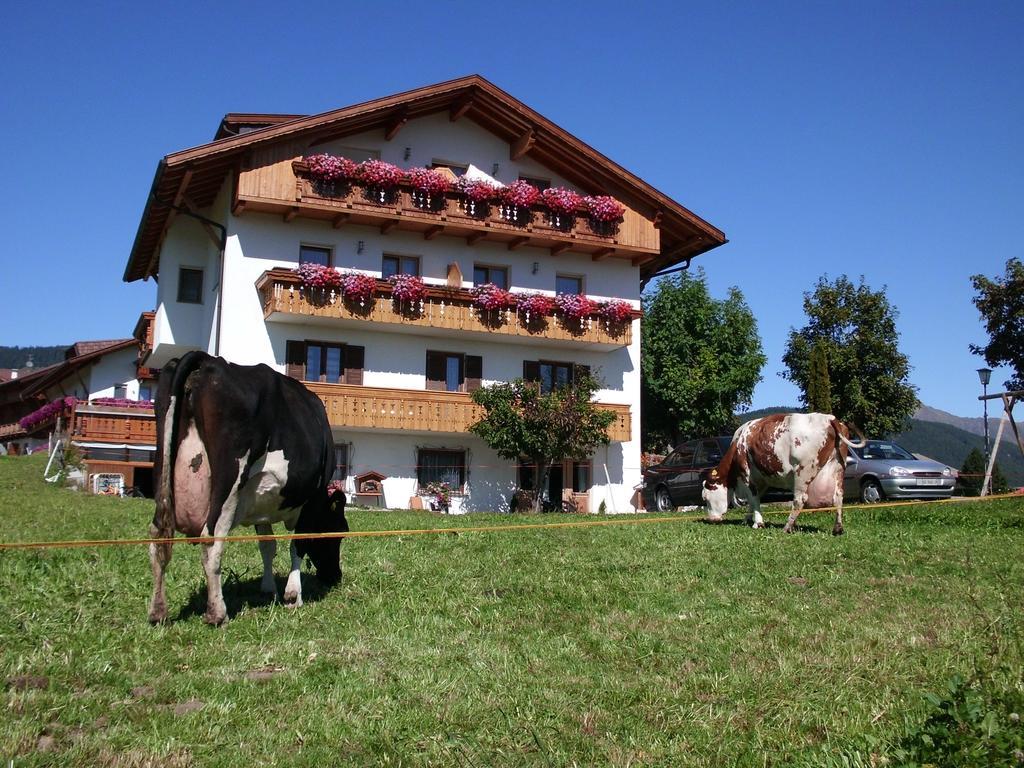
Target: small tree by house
<point>521,421</point>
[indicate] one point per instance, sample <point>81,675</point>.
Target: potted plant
<point>320,282</point>
<point>358,288</point>
<point>428,187</point>
<point>575,308</point>
<point>562,204</point>
<point>616,313</point>
<point>408,291</point>
<point>534,306</point>
<point>604,212</point>
<point>516,200</point>
<point>478,194</point>
<point>441,493</point>
<point>330,174</point>
<point>380,179</point>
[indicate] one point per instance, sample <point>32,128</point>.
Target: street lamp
<point>984,374</point>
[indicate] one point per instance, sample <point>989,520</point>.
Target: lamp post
<point>984,374</point>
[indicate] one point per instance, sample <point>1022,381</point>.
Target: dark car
<point>676,481</point>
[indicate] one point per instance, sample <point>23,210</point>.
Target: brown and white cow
<point>242,445</point>
<point>802,452</point>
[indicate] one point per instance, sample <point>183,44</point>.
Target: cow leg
<point>268,549</point>
<point>293,590</point>
<point>837,502</point>
<point>799,499</point>
<point>159,557</point>
<point>216,610</point>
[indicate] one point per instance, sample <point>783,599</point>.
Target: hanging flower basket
<point>358,288</point>
<point>575,307</point>
<point>490,297</point>
<point>478,194</point>
<point>428,188</point>
<point>534,307</point>
<point>329,168</point>
<point>379,179</point>
<point>562,205</point>
<point>408,291</point>
<point>604,214</point>
<point>313,275</point>
<point>617,311</point>
<point>48,412</point>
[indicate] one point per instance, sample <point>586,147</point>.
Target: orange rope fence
<point>621,520</point>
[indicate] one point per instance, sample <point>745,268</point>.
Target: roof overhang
<point>196,175</point>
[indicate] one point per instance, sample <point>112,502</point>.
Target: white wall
<point>112,370</point>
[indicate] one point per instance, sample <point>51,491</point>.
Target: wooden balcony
<point>420,411</point>
<point>283,188</point>
<point>110,424</point>
<point>447,310</point>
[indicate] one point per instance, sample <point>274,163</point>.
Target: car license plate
<point>929,481</point>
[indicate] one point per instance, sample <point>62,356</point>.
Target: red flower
<point>575,306</point>
<point>377,173</point>
<point>407,288</point>
<point>535,304</point>
<point>617,311</point>
<point>358,287</point>
<point>478,190</point>
<point>324,167</point>
<point>489,296</point>
<point>319,276</point>
<point>429,180</point>
<point>521,193</point>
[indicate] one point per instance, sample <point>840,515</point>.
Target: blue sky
<point>875,139</point>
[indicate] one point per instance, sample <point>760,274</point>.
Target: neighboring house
<point>227,224</point>
<point>96,392</point>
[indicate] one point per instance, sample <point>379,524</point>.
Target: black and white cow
<point>242,445</point>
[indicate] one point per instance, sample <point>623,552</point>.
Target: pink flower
<point>324,167</point>
<point>560,200</point>
<point>377,173</point>
<point>478,190</point>
<point>358,287</point>
<point>535,304</point>
<point>489,296</point>
<point>428,180</point>
<point>319,276</point>
<point>604,208</point>
<point>521,193</point>
<point>616,311</point>
<point>575,306</point>
<point>407,288</point>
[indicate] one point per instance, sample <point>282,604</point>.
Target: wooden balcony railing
<point>452,310</point>
<point>420,411</point>
<point>107,424</point>
<point>636,237</point>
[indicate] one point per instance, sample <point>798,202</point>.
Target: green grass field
<point>667,644</point>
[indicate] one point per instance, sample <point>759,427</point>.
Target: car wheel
<point>663,501</point>
<point>871,492</point>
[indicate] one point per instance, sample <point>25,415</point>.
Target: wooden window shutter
<point>355,359</point>
<point>531,370</point>
<point>436,370</point>
<point>474,372</point>
<point>295,359</point>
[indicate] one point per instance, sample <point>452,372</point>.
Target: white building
<point>227,223</point>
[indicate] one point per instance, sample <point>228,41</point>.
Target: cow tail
<point>840,429</point>
<point>169,401</point>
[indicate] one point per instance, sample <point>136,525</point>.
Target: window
<point>145,392</point>
<point>453,372</point>
<point>399,265</point>
<point>440,466</point>
<point>540,184</point>
<point>483,274</point>
<point>568,284</point>
<point>322,361</point>
<point>340,462</point>
<point>190,285</point>
<point>120,392</point>
<point>314,254</point>
<point>580,476</point>
<point>459,169</point>
<point>552,375</point>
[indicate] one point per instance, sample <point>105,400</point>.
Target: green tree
<point>819,386</point>
<point>701,359</point>
<point>974,468</point>
<point>1001,304</point>
<point>868,374</point>
<point>519,420</point>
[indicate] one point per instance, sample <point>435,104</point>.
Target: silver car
<point>884,470</point>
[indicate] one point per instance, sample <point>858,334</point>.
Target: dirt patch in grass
<point>28,682</point>
<point>263,674</point>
